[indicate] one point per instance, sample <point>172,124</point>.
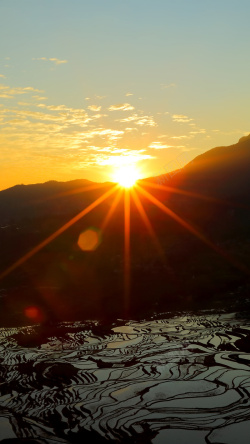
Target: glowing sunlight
<point>126,176</point>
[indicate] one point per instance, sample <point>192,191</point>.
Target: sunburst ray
<point>75,191</point>
<point>126,250</point>
<point>191,229</point>
<point>111,210</point>
<point>58,232</point>
<point>148,224</point>
<point>191,194</point>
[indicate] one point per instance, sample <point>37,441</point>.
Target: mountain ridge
<point>217,153</point>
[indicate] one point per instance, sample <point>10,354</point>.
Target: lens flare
<point>89,239</point>
<point>33,313</point>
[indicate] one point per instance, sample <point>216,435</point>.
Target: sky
<point>89,86</point>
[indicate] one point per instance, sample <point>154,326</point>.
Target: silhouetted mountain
<point>222,172</point>
<point>68,283</point>
<point>47,198</point>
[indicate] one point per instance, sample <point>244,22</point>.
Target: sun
<point>126,176</point>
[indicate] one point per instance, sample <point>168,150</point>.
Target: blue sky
<point>88,85</point>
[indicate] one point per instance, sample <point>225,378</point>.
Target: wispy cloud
<point>118,158</point>
<point>180,137</point>
<point>39,97</point>
<point>110,134</point>
<point>52,59</point>
<point>140,120</point>
<point>199,131</point>
<point>129,94</point>
<point>159,146</point>
<point>2,76</point>
<point>24,103</point>
<point>181,118</point>
<point>94,108</point>
<point>121,107</point>
<point>39,132</point>
<point>57,61</point>
<point>167,85</point>
<point>128,129</point>
<point>7,92</point>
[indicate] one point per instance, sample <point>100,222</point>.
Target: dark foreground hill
<point>65,282</point>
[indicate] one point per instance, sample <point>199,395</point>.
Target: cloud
<point>140,120</point>
<point>41,116</point>
<point>132,129</point>
<point>2,76</point>
<point>169,85</point>
<point>57,133</point>
<point>107,149</point>
<point>64,115</point>
<point>121,107</point>
<point>23,103</point>
<point>116,160</point>
<point>110,134</point>
<point>35,132</point>
<point>8,92</point>
<point>69,115</point>
<point>54,107</point>
<point>146,120</point>
<point>39,97</point>
<point>57,61</point>
<point>129,94</point>
<point>94,108</point>
<point>181,118</point>
<point>30,88</point>
<point>159,146</point>
<point>180,137</point>
<point>200,131</point>
<point>52,59</point>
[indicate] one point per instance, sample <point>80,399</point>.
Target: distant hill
<point>222,172</point>
<point>68,283</point>
<point>45,198</point>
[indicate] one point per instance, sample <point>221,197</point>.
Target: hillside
<point>221,172</point>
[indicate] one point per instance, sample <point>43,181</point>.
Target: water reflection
<point>182,379</point>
